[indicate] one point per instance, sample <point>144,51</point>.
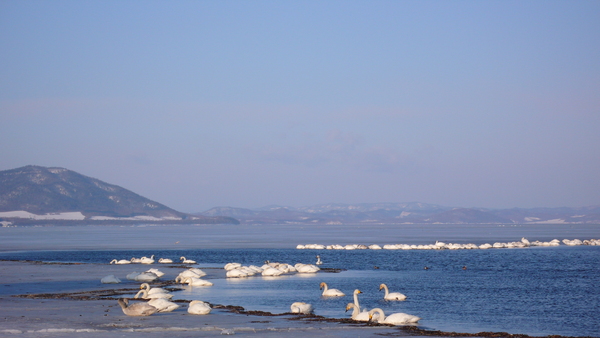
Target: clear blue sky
<point>198,104</point>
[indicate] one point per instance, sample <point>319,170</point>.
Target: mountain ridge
<point>45,193</point>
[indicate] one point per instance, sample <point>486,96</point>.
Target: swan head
<point>382,286</point>
<point>322,285</point>
<point>145,286</point>
<point>357,291</point>
<point>350,306</point>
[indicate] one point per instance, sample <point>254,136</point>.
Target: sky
<point>199,104</point>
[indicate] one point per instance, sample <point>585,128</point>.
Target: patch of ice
<point>76,215</point>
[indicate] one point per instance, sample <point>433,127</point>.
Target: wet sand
<point>67,300</point>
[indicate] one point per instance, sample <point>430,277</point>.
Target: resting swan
<point>137,309</point>
<point>144,294</point>
<point>151,291</point>
<point>330,292</point>
<point>163,305</point>
<point>198,307</point>
<point>165,260</point>
<point>147,260</point>
<point>301,307</point>
<point>394,318</point>
<point>121,261</point>
<point>392,295</point>
<point>187,261</point>
<point>110,279</point>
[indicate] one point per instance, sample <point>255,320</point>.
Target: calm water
<point>535,291</point>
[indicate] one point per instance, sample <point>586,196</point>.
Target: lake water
<point>536,291</point>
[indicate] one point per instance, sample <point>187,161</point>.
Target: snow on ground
<point>76,216</point>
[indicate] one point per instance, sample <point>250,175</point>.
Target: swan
<point>137,309</point>
<point>156,272</point>
<point>356,314</point>
<point>198,307</point>
<point>135,260</point>
<point>144,294</point>
<point>187,261</point>
<point>110,279</point>
<point>301,307</point>
<point>394,318</point>
<point>319,262</point>
<point>151,291</point>
<point>132,275</point>
<point>197,271</point>
<point>391,295</point>
<point>165,260</point>
<point>121,261</point>
<point>231,266</point>
<point>330,292</point>
<point>163,305</point>
<point>146,277</point>
<point>192,281</point>
<point>146,260</point>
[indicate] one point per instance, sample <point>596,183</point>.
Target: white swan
<point>330,292</point>
<point>144,294</point>
<point>197,271</point>
<point>319,262</point>
<point>198,307</point>
<point>301,307</point>
<point>151,291</point>
<point>192,281</point>
<point>356,314</point>
<point>394,318</point>
<point>187,261</point>
<point>165,260</point>
<point>137,309</point>
<point>146,277</point>
<point>156,272</point>
<point>120,261</point>
<point>391,295</point>
<point>110,279</point>
<point>147,260</point>
<point>163,305</point>
<point>135,260</point>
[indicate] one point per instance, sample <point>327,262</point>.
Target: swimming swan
<point>394,318</point>
<point>137,309</point>
<point>392,295</point>
<point>165,260</point>
<point>356,314</point>
<point>121,261</point>
<point>187,261</point>
<point>146,260</point>
<point>330,292</point>
<point>163,305</point>
<point>198,307</point>
<point>319,262</point>
<point>192,281</point>
<point>301,307</point>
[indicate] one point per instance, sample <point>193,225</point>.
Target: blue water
<point>537,291</point>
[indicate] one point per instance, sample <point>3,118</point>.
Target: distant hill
<point>406,213</point>
<point>55,194</point>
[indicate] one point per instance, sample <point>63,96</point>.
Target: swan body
<point>356,314</point>
<point>156,272</point>
<point>236,273</point>
<point>147,260</point>
<point>163,305</point>
<point>271,272</point>
<point>394,318</point>
<point>151,291</point>
<point>198,307</point>
<point>306,268</point>
<point>197,271</point>
<point>187,261</point>
<point>146,277</point>
<point>192,281</point>
<point>110,279</point>
<point>121,261</point>
<point>231,266</point>
<point>135,260</point>
<point>165,260</point>
<point>391,295</point>
<point>132,275</point>
<point>301,307</point>
<point>330,292</point>
<point>137,309</point>
<point>145,295</point>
